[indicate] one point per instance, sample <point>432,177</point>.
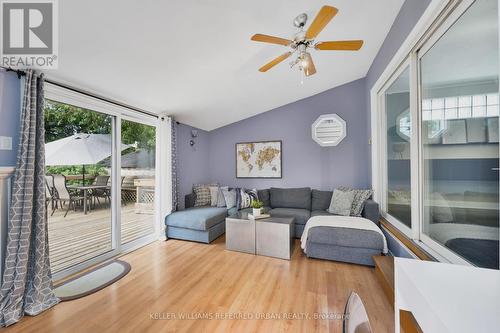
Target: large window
<point>459,79</point>
<point>438,173</point>
<point>398,130</point>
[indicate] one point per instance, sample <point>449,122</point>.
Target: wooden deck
<point>78,237</point>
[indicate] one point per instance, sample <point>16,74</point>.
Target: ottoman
<point>344,244</point>
<point>199,224</point>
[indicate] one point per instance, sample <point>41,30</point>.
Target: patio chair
<point>101,192</point>
<point>65,196</point>
<point>128,190</point>
<point>50,193</point>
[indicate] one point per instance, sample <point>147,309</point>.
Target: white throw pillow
<point>341,202</point>
<point>221,202</point>
<point>214,190</point>
<point>230,197</point>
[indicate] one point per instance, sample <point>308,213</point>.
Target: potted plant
<point>257,207</point>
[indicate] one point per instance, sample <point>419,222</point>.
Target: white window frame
<point>162,179</point>
<point>382,128</point>
<point>439,16</point>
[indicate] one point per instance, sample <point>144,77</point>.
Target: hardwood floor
<point>174,278</point>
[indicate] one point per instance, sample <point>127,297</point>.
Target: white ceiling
<point>194,58</point>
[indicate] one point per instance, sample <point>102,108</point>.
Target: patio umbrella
<point>79,149</point>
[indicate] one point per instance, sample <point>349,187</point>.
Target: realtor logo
<point>29,34</point>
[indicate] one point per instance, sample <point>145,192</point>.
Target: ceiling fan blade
<point>324,16</point>
<point>343,45</point>
<point>274,62</point>
<point>309,69</point>
<point>271,39</point>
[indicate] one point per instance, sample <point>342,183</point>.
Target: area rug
<point>92,281</point>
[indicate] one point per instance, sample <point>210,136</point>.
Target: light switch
<point>5,143</point>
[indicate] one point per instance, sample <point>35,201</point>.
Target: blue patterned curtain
<point>27,281</point>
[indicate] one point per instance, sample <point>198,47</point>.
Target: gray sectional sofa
<point>204,224</point>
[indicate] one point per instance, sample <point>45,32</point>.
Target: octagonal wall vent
<point>329,130</point>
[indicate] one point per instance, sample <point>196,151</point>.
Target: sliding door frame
<point>117,112</point>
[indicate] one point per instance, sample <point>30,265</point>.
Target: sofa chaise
<point>204,224</point>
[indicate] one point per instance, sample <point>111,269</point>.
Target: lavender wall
<point>305,163</point>
<point>10,109</point>
<point>408,16</point>
<point>192,161</point>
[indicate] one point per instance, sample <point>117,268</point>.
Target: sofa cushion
<point>291,197</point>
<point>263,196</point>
<point>320,213</point>
<point>197,218</point>
<point>301,215</point>
<point>320,200</point>
<point>346,237</point>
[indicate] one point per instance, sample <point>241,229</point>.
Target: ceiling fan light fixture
<point>303,63</point>
<point>303,41</point>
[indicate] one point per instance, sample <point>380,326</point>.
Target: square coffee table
<point>273,236</point>
<point>240,233</point>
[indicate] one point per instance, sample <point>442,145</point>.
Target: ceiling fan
<point>304,40</point>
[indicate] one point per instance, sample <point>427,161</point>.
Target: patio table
<point>85,189</point>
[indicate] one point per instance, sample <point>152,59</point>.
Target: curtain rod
<point>83,92</point>
<point>105,99</point>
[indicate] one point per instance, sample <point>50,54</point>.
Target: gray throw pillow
<point>202,196</point>
<point>360,197</point>
<point>230,197</point>
<point>221,202</point>
<point>341,203</point>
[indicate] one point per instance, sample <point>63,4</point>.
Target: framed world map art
<point>258,159</point>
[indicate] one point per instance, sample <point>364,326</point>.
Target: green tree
<point>63,120</point>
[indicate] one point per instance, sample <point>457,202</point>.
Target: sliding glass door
<point>100,179</point>
<point>80,219</point>
<point>138,181</point>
